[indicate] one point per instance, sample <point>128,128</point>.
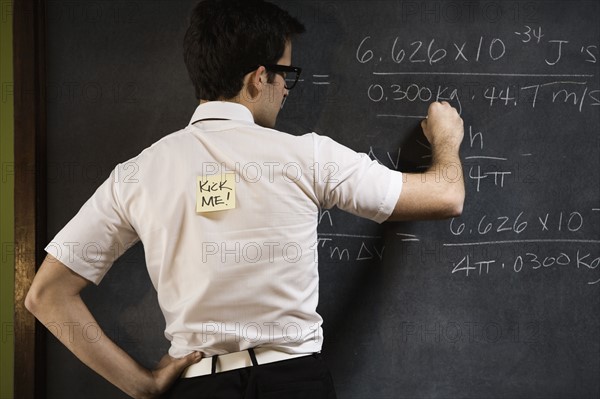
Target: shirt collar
<point>222,110</point>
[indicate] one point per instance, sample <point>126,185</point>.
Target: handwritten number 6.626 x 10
<point>486,225</point>
<point>432,52</point>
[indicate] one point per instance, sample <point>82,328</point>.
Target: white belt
<point>237,360</point>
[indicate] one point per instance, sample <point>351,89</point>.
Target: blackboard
<point>502,302</point>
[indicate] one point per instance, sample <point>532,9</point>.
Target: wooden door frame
<point>29,61</point>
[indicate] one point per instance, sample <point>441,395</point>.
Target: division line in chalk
<point>486,157</point>
<point>525,75</point>
<point>526,155</point>
<point>400,116</point>
<point>410,239</point>
<point>596,209</point>
<point>560,83</point>
<point>320,83</point>
<point>320,76</point>
<point>465,244</point>
<point>348,235</point>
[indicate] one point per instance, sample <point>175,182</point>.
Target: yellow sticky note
<point>215,192</point>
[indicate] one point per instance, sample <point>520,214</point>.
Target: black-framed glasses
<point>290,74</point>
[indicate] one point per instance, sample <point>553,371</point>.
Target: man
<point>227,210</point>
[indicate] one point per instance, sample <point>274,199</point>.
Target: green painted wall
<point>7,259</point>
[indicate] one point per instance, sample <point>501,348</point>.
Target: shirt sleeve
<point>97,235</point>
<point>353,182</point>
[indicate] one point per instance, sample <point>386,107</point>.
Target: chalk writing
<point>553,222</point>
<point>558,229</point>
<point>403,74</point>
<point>560,93</point>
<point>432,51</point>
<point>533,41</point>
<point>367,247</point>
<point>529,261</point>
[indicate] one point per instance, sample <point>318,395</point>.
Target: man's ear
<point>256,81</point>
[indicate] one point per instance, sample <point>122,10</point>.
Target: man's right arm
<point>439,192</point>
<point>54,299</point>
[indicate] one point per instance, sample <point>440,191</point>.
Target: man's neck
<point>239,99</point>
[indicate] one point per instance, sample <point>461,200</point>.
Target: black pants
<point>301,378</point>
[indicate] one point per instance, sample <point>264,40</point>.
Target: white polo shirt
<point>237,278</point>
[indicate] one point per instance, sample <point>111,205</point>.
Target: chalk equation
<point>578,95</point>
<point>531,69</point>
<point>493,49</point>
<point>551,222</point>
<point>573,259</point>
<point>526,241</point>
<point>542,51</point>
